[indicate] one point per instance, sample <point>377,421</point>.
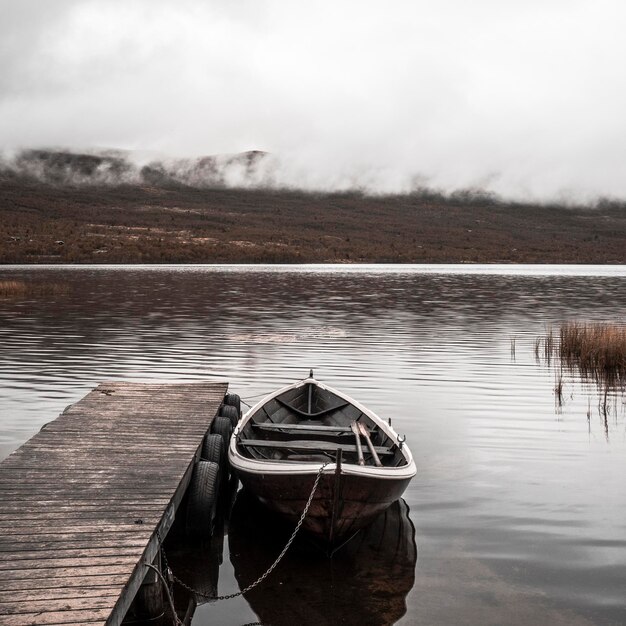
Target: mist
<point>521,99</point>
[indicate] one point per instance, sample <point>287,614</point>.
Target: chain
<point>271,568</point>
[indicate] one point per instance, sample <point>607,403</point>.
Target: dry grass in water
<point>597,351</point>
<point>20,288</point>
<point>558,388</point>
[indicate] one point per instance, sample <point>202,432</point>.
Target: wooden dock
<point>81,502</point>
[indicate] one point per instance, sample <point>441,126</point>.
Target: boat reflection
<point>365,582</point>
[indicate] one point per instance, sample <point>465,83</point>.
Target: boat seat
<point>311,415</point>
<point>323,446</point>
<point>311,428</point>
<point>307,458</point>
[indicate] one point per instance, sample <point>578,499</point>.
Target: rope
<point>256,395</point>
<point>261,395</point>
<point>177,622</point>
<point>271,568</point>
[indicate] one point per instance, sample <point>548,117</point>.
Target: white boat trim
<point>276,468</point>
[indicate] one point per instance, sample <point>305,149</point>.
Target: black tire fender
<point>232,399</point>
<point>202,499</point>
<point>223,427</point>
<point>231,413</point>
<point>213,449</point>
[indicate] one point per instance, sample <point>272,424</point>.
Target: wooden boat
<point>280,444</point>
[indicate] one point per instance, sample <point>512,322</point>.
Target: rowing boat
<point>281,444</point>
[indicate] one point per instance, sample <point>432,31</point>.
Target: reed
<point>12,288</point>
<point>548,344</point>
<point>21,288</point>
<point>598,350</point>
<point>558,388</point>
<point>593,351</point>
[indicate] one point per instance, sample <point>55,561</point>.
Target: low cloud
<point>522,99</point>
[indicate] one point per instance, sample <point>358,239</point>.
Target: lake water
<point>519,505</point>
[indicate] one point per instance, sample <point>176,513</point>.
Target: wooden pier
<point>84,502</point>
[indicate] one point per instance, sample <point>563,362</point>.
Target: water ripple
<point>511,487</point>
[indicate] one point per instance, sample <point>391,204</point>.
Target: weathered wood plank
<point>45,618</point>
<point>59,593</point>
<point>78,571</point>
<point>63,553</point>
<point>79,484</point>
<point>75,529</point>
<point>25,508</point>
<point>80,518</point>
<point>71,547</point>
<point>60,563</point>
<point>85,542</point>
<point>54,605</point>
<point>102,580</point>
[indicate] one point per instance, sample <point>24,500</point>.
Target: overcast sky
<point>526,98</point>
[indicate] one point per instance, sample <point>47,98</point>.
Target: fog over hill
<point>251,170</point>
<point>523,99</point>
<point>118,167</point>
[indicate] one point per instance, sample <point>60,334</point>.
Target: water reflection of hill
<point>152,296</point>
<point>366,582</point>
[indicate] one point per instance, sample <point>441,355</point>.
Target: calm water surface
<point>519,506</point>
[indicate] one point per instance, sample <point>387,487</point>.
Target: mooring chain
<point>271,568</point>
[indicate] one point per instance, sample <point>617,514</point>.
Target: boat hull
<point>342,504</point>
<point>280,445</point>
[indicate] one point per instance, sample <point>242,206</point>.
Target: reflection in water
<point>520,513</point>
<point>195,562</point>
<point>365,582</point>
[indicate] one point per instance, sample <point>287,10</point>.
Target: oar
<point>357,438</point>
<point>370,445</point>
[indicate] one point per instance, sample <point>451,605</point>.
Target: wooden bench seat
<point>315,415</point>
<point>314,428</point>
<point>323,446</point>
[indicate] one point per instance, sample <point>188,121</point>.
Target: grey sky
<point>522,97</point>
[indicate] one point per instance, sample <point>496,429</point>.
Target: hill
<point>60,207</point>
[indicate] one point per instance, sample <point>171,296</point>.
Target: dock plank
<point>54,605</point>
<point>48,618</point>
<point>76,584</point>
<point>59,593</point>
<point>81,502</point>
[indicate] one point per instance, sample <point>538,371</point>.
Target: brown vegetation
<point>21,288</point>
<point>48,223</point>
<point>598,350</point>
<point>595,352</point>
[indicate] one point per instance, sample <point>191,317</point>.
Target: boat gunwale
<point>277,467</point>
